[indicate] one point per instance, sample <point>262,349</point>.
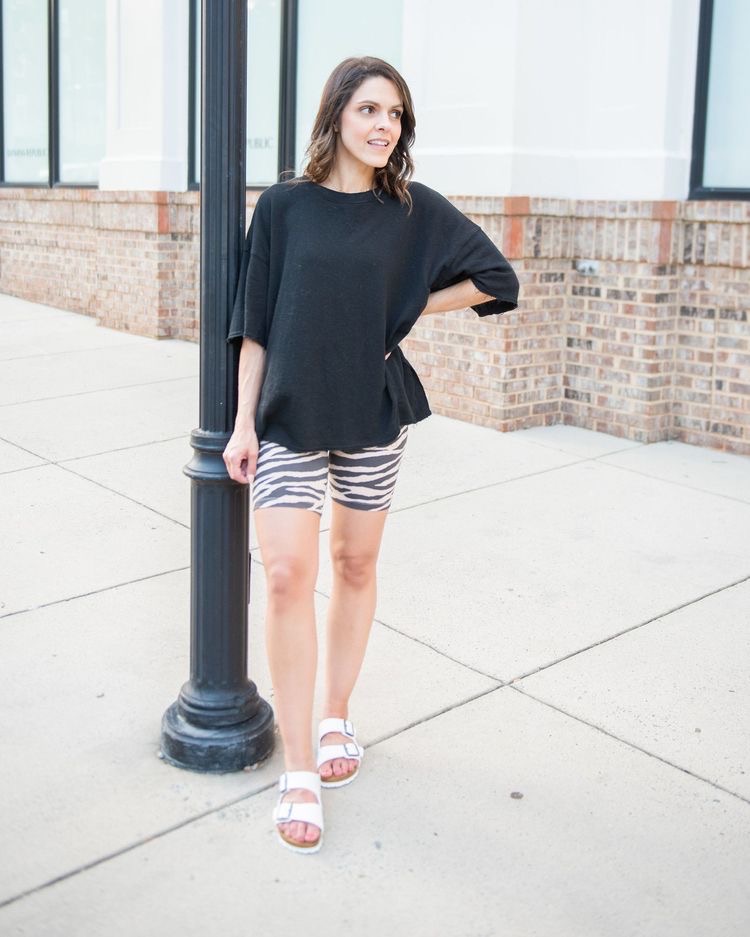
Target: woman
<point>339,263</point>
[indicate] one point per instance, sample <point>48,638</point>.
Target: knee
<point>288,579</point>
<point>356,570</point>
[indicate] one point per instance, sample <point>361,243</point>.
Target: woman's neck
<point>344,179</point>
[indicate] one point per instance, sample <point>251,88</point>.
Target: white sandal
<point>339,750</point>
<point>288,811</point>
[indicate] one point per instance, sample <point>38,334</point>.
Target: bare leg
<point>288,539</point>
<point>355,543</point>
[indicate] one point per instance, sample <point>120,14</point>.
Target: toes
<point>326,769</point>
<point>312,833</point>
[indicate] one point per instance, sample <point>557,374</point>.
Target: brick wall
<point>129,259</point>
<point>655,344</point>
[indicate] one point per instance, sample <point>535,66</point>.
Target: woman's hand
<point>241,455</point>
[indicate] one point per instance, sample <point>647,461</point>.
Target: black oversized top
<point>332,281</point>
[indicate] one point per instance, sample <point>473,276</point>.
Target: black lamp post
<point>219,722</point>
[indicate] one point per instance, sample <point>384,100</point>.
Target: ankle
<point>336,711</point>
<point>304,763</point>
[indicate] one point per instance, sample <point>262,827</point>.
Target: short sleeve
<point>250,311</point>
<point>477,258</point>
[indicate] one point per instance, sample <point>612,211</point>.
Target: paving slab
<point>151,474</point>
<point>85,684</point>
<point>81,371</point>
<point>430,840</point>
<point>723,473</point>
<point>516,576</point>
<point>54,331</point>
<point>676,687</point>
<point>14,309</point>
<point>102,421</point>
<point>445,457</point>
<point>575,440</point>
<point>66,536</point>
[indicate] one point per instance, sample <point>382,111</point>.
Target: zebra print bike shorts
<point>364,480</point>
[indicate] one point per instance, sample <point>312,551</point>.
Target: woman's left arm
<point>459,296</point>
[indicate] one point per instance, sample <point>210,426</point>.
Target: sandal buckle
<point>348,728</point>
<point>347,748</point>
<point>284,811</point>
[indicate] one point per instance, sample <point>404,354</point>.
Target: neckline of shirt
<point>334,195</point>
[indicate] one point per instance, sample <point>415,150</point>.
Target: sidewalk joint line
<point>633,745</point>
<point>121,494</point>
<point>83,595</point>
<point>641,624</point>
<point>546,445</point>
<point>469,491</point>
<point>416,640</point>
<point>670,481</point>
<point>409,637</point>
<point>77,458</point>
<point>226,804</point>
<point>98,390</point>
<point>69,351</point>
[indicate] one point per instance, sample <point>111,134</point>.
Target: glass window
<point>25,112</point>
<point>82,89</point>
<point>332,30</point>
<point>263,76</point>
<point>727,154</point>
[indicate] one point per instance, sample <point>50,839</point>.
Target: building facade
<point>600,144</point>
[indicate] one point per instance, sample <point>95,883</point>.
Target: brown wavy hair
<point>343,81</point>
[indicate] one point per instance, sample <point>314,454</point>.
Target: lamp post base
<point>220,749</point>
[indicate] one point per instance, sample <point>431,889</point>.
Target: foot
<point>337,767</point>
<point>303,833</point>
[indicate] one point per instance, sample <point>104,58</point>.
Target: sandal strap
<point>340,750</point>
<point>288,811</point>
<point>308,780</point>
<point>335,724</point>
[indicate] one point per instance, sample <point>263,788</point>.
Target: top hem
<point>349,447</point>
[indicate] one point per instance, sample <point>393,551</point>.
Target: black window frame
<point>703,69</point>
<point>53,110</point>
<point>287,91</point>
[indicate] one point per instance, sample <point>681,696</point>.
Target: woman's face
<point>370,123</point>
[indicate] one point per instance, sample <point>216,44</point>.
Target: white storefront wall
<point>561,98</point>
<point>147,95</point>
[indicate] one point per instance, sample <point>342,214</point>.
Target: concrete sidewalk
<point>555,701</point>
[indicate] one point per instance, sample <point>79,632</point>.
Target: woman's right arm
<point>241,453</point>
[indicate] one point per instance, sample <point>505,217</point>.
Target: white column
<point>147,95</point>
<point>459,60</point>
